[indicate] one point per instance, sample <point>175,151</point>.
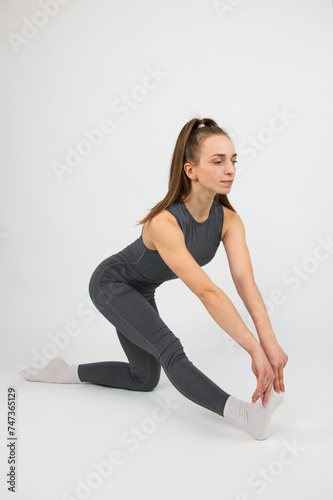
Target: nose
<point>230,167</point>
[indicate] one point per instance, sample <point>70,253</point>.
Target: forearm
<point>227,317</point>
<point>248,291</point>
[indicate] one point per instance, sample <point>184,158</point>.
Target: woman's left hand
<point>278,360</point>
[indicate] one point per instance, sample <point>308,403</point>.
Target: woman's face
<point>217,166</point>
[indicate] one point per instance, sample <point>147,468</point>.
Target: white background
<point>242,64</point>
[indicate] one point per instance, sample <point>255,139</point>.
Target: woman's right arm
<point>169,241</point>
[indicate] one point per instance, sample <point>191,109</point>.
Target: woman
<point>179,235</point>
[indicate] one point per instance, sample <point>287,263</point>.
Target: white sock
<point>56,371</point>
<point>254,418</point>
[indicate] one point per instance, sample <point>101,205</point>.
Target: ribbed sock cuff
<point>73,376</point>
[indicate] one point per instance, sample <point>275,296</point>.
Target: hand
<point>262,369</point>
<point>278,360</point>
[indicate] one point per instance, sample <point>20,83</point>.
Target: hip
<point>112,272</point>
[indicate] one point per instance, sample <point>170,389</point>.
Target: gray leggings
<point>148,344</point>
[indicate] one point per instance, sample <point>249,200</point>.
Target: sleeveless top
<point>145,270</point>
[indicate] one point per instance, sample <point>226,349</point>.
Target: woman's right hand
<point>264,373</point>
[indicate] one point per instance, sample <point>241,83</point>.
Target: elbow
<point>243,280</point>
<point>206,294</point>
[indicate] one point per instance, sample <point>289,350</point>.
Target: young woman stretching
<point>179,235</point>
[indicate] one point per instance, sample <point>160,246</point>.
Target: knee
<point>149,384</point>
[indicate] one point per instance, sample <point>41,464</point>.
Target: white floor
<point>86,441</point>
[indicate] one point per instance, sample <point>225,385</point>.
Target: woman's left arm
<point>242,274</point>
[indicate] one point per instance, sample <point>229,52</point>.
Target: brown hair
<point>187,149</point>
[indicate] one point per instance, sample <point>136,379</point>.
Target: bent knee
<point>148,385</point>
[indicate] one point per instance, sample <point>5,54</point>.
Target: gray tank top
<point>145,269</point>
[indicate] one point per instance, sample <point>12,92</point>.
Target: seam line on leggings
<point>119,263</point>
<point>123,319</point>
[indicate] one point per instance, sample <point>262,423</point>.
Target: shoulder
<point>231,221</point>
<point>160,222</point>
<point>164,230</point>
<point>163,218</point>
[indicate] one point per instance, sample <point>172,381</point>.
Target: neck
<point>199,205</point>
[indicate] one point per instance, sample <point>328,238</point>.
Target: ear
<point>189,170</point>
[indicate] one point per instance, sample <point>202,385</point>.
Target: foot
<point>56,371</point>
<point>253,417</point>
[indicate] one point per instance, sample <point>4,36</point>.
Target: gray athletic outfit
<point>122,287</point>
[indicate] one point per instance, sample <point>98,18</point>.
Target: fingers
<point>278,381</point>
<point>267,375</point>
<point>256,395</point>
<point>281,381</point>
<point>264,387</point>
<point>260,389</point>
<point>266,394</point>
<point>281,374</point>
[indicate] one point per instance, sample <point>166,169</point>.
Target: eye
<point>218,162</point>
